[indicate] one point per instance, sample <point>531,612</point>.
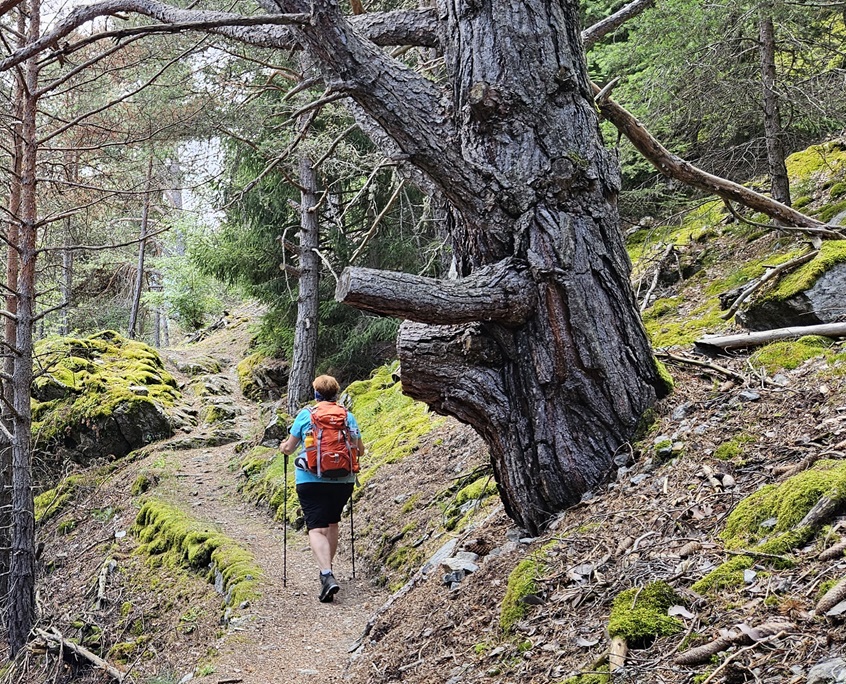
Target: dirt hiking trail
<point>286,635</point>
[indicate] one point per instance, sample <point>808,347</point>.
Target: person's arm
<point>360,447</point>
<point>289,446</point>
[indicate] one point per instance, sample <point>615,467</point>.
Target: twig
<point>702,364</point>
<point>737,654</point>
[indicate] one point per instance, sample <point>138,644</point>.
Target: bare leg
<point>332,535</point>
<point>321,546</point>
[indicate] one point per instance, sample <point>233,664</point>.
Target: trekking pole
<point>352,537</point>
<point>285,523</point>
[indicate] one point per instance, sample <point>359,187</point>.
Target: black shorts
<point>322,502</point>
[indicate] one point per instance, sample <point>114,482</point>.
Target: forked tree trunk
<point>308,298</point>
<point>555,370</point>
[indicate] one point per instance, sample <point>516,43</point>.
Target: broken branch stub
<point>502,293</point>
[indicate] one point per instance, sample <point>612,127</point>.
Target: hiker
<point>324,486</point>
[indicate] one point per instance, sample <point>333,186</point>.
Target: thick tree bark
<point>308,298</point>
<point>502,292</point>
<point>772,115</point>
<point>525,171</point>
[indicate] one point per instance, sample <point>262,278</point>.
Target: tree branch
<point>501,292</point>
<point>754,339</point>
<point>674,167</point>
<point>595,33</point>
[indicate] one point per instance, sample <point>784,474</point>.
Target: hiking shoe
<point>328,588</point>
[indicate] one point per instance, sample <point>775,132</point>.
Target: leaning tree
<point>536,342</point>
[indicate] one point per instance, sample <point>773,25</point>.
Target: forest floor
<point>162,625</point>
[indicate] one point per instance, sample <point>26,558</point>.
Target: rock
<point>828,672</point>
<point>821,303</point>
<point>781,379</point>
<point>460,565</point>
<point>468,556</point>
<point>637,479</point>
<point>681,410</point>
<point>728,481</point>
<point>274,432</point>
<point>749,395</point>
<point>453,577</point>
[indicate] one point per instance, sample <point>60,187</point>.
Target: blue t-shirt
<point>298,429</point>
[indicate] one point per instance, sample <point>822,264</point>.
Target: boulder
<point>263,378</point>
<point>807,297</point>
<point>97,397</point>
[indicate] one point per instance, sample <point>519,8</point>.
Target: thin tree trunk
<point>308,299</point>
<point>67,278</point>
<point>772,115</point>
<point>22,567</point>
<point>142,248</point>
<point>9,334</point>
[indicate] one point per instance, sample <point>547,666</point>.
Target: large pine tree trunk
<point>552,367</point>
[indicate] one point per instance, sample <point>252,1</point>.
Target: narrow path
<point>287,634</point>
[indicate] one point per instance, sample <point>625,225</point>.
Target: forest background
<point>136,231</point>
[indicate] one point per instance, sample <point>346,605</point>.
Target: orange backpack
<point>330,447</point>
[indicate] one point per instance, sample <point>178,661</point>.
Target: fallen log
<point>56,638</point>
<point>756,339</point>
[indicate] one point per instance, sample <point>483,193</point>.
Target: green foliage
<point>262,208</point>
<point>640,614</point>
<point>171,537</point>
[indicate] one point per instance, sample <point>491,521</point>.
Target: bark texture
<point>513,145</point>
<point>772,114</point>
<point>308,298</point>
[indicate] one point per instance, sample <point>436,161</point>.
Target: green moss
<point>264,469</point>
<point>392,424</point>
<point>125,608</point>
<point>831,253</point>
<point>734,447</point>
<point>82,379</point>
<point>825,586</point>
<point>787,355</point>
<point>665,376</point>
<point>835,191</point>
<point>51,502</point>
<point>481,488</point>
<point>67,526</point>
<point>246,375</point>
<point>671,332</point>
<point>522,582</point>
<point>142,483</point>
<point>405,557</point>
<point>802,202</point>
<point>171,537</point>
<point>829,211</point>
<point>816,161</point>
<point>639,615</point>
<point>786,504</point>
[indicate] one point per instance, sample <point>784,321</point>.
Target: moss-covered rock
<point>811,294</point>
<point>790,354</point>
<point>99,396</point>
<point>639,615</point>
<point>767,522</point>
<point>170,536</point>
<point>522,582</point>
<point>262,378</point>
